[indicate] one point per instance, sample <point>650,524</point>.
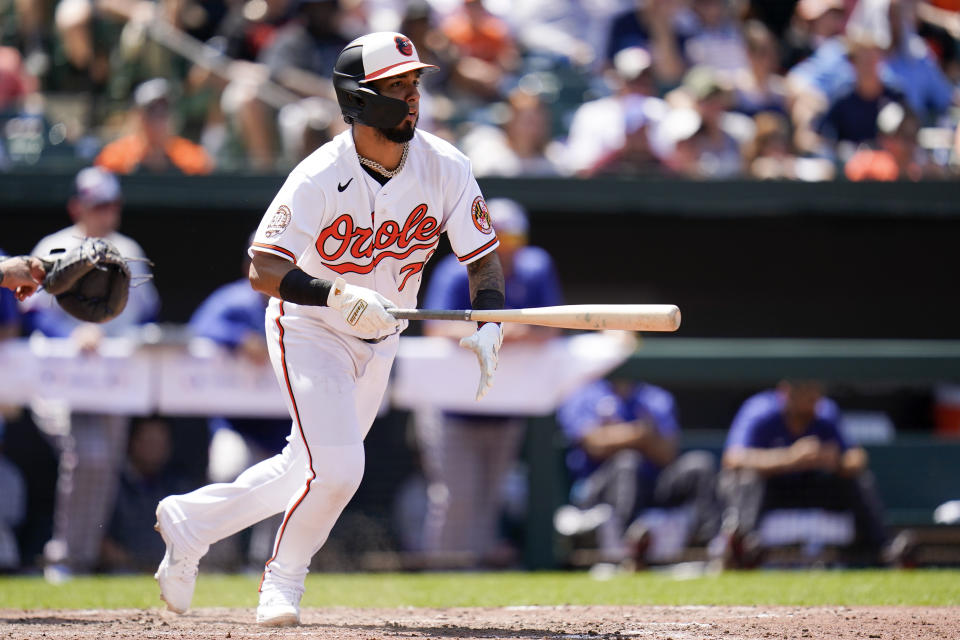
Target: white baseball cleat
<point>279,605</point>
<point>177,574</point>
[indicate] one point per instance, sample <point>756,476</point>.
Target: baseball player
<point>345,239</point>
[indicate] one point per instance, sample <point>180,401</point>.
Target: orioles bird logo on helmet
<point>404,46</point>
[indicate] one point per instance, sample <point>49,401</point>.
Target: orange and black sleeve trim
<point>272,248</point>
<point>492,244</point>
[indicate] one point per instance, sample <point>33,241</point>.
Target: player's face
<point>97,219</point>
<point>404,87</point>
<point>801,400</point>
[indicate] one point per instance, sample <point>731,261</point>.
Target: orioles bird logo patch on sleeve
<point>481,216</point>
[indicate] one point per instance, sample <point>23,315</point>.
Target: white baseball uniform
<point>333,219</point>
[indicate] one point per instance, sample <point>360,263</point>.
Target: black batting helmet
<point>376,55</point>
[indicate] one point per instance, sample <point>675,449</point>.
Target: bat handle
<point>430,314</point>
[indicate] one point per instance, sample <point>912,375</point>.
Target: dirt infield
<point>524,623</point>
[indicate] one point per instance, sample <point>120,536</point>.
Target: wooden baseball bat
<point>628,317</point>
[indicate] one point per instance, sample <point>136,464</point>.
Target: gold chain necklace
<point>379,168</point>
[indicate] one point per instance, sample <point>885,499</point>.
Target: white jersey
<point>332,219</point>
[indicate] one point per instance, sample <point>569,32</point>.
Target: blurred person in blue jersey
<point>623,457</point>
<point>785,450</point>
<point>467,457</point>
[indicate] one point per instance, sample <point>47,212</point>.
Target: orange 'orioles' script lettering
<point>389,240</point>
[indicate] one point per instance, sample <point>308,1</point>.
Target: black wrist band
<point>488,299</point>
<point>300,288</point>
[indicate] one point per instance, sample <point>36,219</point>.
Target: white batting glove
<point>362,308</point>
<point>486,344</point>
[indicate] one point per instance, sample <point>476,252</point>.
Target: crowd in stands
<point>704,89</point>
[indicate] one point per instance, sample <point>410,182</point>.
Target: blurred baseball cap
<point>631,62</point>
<point>151,91</point>
<point>813,9</point>
<point>508,217</point>
<point>95,185</point>
<point>702,81</point>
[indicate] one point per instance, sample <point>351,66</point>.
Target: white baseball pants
<point>333,385</point>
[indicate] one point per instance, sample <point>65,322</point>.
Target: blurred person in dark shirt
<point>299,57</point>
<point>852,117</point>
<point>310,42</point>
<point>650,24</point>
<point>785,450</point>
<point>130,544</point>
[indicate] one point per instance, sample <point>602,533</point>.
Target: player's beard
<point>401,133</point>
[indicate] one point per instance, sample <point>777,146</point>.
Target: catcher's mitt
<point>91,282</point>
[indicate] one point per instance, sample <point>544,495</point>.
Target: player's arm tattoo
<point>486,274</point>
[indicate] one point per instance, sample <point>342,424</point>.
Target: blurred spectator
<point>623,440</point>
<point>520,147</point>
<point>250,27</point>
<point>95,208</point>
<point>90,446</point>
<point>926,89</point>
<point>13,508</point>
<point>567,32</point>
<point>852,117</point>
<point>28,30</point>
<point>898,156</point>
<point>311,42</point>
<point>467,457</point>
<point>637,155</point>
<point>599,127</point>
<point>813,23</point>
<point>299,57</point>
<point>770,155</point>
<point>84,51</point>
<point>785,450</point>
<point>433,47</point>
<point>695,138</point>
<point>15,82</point>
<point>485,47</point>
<point>711,35</point>
<point>233,317</point>
<point>25,135</point>
<point>153,147</point>
<point>759,87</point>
<point>130,543</point>
<point>650,24</point>
<point>822,73</point>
